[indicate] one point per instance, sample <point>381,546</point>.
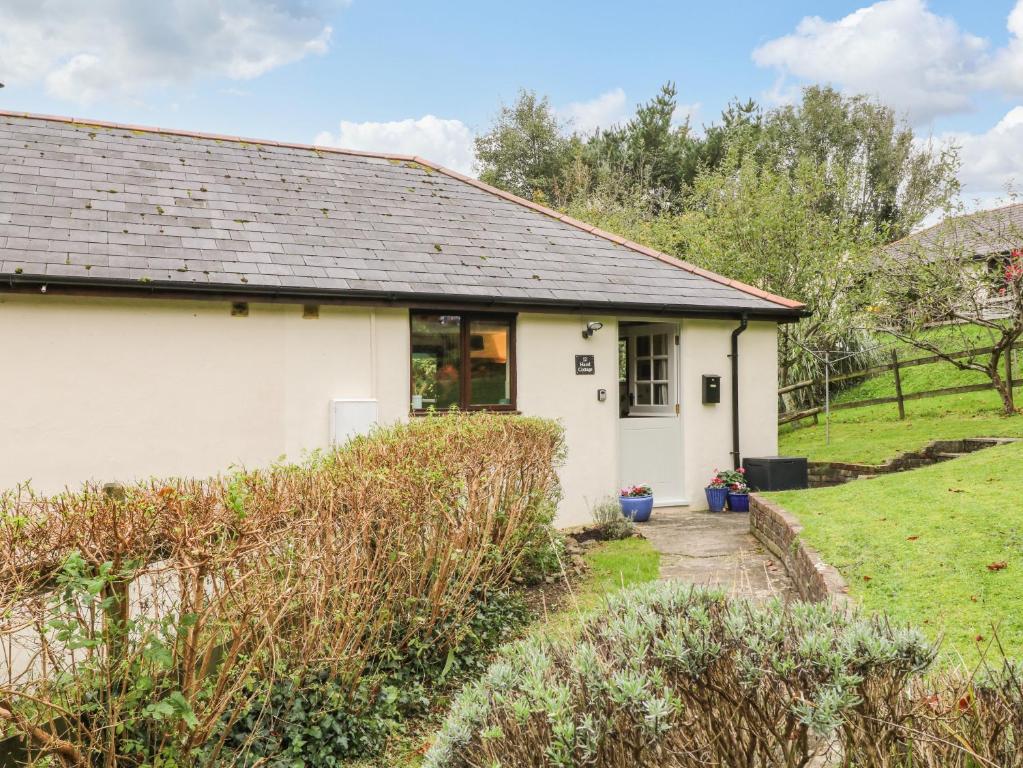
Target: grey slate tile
<point>185,209</point>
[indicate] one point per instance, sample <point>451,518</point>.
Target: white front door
<point>650,424</point>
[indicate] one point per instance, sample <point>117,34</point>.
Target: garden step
<point>948,455</point>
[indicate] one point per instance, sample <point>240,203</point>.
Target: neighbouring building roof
<point>994,231</point>
<point>102,206</point>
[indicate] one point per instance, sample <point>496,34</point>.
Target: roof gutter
<point>71,285</point>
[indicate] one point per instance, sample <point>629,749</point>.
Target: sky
<point>426,77</point>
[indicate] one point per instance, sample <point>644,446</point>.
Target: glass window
<point>489,365</point>
<point>643,394</point>
<point>436,361</point>
<point>462,361</point>
<point>650,384</point>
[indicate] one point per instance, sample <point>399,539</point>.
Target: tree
<point>773,229</point>
<point>791,199</point>
<point>880,176</point>
<point>525,151</point>
<point>741,125</point>
<point>954,287</point>
<point>649,151</point>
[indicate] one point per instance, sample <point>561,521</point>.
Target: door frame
<point>674,408</point>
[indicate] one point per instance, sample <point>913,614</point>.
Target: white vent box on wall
<point>349,418</point>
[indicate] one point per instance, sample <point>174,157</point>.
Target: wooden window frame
<point>464,342</point>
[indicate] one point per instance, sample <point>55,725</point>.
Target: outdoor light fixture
<point>591,328</point>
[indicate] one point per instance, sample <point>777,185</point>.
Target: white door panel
<point>650,437</point>
<point>651,452</point>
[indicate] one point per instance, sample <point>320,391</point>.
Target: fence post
<point>898,385</point>
<point>1008,377</point>
<point>827,398</point>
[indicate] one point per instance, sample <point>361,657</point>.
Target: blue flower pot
<point>637,508</point>
<point>738,502</point>
<point>716,498</point>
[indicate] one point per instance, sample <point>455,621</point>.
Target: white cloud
<point>604,111</point>
<point>919,62</point>
<point>1006,68</point>
<point>448,142</point>
<point>992,164</point>
<point>612,108</point>
<point>686,112</point>
<point>120,48</point>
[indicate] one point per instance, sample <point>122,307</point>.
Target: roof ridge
<point>954,218</point>
<point>85,123</point>
<point>618,239</point>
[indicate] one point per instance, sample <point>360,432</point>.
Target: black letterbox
<point>711,388</point>
<point>776,473</point>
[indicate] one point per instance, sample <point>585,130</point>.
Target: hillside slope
<point>873,434</point>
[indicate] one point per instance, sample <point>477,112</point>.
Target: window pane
<point>623,360</point>
<point>661,370</point>
<point>436,360</point>
<point>643,346</point>
<point>660,394</point>
<point>660,344</point>
<point>643,394</point>
<point>642,370</point>
<point>489,366</point>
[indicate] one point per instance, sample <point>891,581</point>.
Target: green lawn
<point>872,435</point>
<point>917,545</point>
<point>613,565</point>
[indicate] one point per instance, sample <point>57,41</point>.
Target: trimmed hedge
<point>196,622</point>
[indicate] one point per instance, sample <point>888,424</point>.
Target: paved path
<point>715,549</point>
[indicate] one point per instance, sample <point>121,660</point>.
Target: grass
<point>917,546</point>
<point>873,434</point>
<point>613,565</point>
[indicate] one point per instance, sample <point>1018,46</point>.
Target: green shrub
<point>312,721</point>
<point>609,520</point>
<point>183,617</point>
<point>670,675</point>
<point>318,722</point>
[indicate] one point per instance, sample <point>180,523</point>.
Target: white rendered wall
<point>114,390</point>
<point>548,385</point>
<point>707,429</point>
<point>120,389</point>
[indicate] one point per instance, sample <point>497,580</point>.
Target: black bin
<point>776,473</point>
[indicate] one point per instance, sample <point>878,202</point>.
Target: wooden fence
<point>900,398</point>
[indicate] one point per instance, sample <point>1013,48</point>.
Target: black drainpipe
<point>736,458</point>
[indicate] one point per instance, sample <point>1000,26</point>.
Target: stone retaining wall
<point>825,473</point>
<point>779,531</point>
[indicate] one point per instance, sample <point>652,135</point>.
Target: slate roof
<point>98,205</point>
<point>994,231</point>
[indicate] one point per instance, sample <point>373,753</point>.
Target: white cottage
<point>175,303</point>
